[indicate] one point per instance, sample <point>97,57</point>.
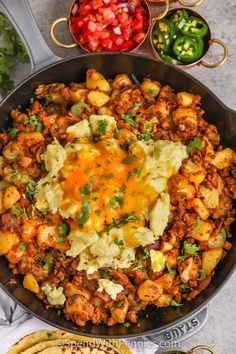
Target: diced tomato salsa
<point>109,25</point>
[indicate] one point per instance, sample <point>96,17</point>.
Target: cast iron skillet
<point>152,320</point>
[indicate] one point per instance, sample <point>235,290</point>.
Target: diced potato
<point>11,196</point>
<point>149,291</point>
<point>7,240</point>
<point>216,241</point>
<point>30,138</point>
<point>97,98</point>
<point>30,283</point>
<point>29,229</point>
<point>120,312</point>
<point>166,246</point>
<point>189,269</point>
<point>78,94</point>
<point>102,124</point>
<point>95,80</point>
<point>203,232</point>
<point>200,208</point>
<point>227,245</point>
<point>210,259</point>
<point>210,197</point>
<point>185,99</point>
<point>223,159</point>
<point>11,151</point>
<point>120,81</point>
<point>163,109</point>
<point>1,201</point>
<point>158,260</point>
<point>46,235</point>
<point>171,258</point>
<point>185,117</point>
<point>79,130</point>
<point>195,172</point>
<point>166,281</point>
<point>164,300</point>
<point>1,165</point>
<point>150,88</point>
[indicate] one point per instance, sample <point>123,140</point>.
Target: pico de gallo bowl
<point>109,25</point>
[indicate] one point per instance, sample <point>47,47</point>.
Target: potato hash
<point>114,195</point>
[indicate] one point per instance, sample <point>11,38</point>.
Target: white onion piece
<point>117,30</point>
<point>122,5</point>
<point>106,1</point>
<point>75,9</point>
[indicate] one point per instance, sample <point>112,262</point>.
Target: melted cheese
<point>98,186</point>
<point>110,287</point>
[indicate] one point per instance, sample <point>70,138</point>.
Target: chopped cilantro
<point>196,143</point>
<point>202,275</point>
<point>146,254</point>
<point>74,108</point>
<point>127,324</point>
<point>153,92</point>
<point>33,210</point>
<point>181,258</point>
<point>171,271</point>
<point>62,254</point>
<point>48,98</point>
<point>127,118</point>
<point>98,212</point>
<point>20,212</point>
<point>184,287</point>
<point>49,334</point>
<point>192,249</point>
<point>174,303</point>
<point>118,242</point>
<point>111,203</point>
<point>86,189</point>
<point>60,240</point>
<point>118,304</point>
<point>102,126</point>
<point>135,80</point>
<point>47,265</point>
<point>12,133</point>
<point>23,246</point>
<point>223,233</point>
<point>83,215</point>
<point>138,104</point>
<point>62,278</point>
<point>63,229</point>
<point>198,224</point>
<point>109,176</point>
<point>104,273</point>
<point>128,159</point>
<point>33,120</point>
<point>30,189</point>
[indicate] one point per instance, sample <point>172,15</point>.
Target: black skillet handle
<point>20,15</point>
<point>180,332</point>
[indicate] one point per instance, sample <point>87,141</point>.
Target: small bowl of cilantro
<point>13,57</point>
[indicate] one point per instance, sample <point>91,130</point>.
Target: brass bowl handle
<point>55,40</point>
<point>204,347</point>
<point>225,56</point>
<point>164,13</point>
<point>190,4</point>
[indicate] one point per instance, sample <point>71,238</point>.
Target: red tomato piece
<point>96,4</point>
<point>139,37</point>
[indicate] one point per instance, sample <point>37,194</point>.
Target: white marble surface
<point>219,331</point>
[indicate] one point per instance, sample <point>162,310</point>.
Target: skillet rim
<point>223,282</point>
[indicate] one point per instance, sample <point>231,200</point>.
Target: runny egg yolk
<point>109,181</point>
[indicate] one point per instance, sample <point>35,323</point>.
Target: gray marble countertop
<point>219,331</point>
